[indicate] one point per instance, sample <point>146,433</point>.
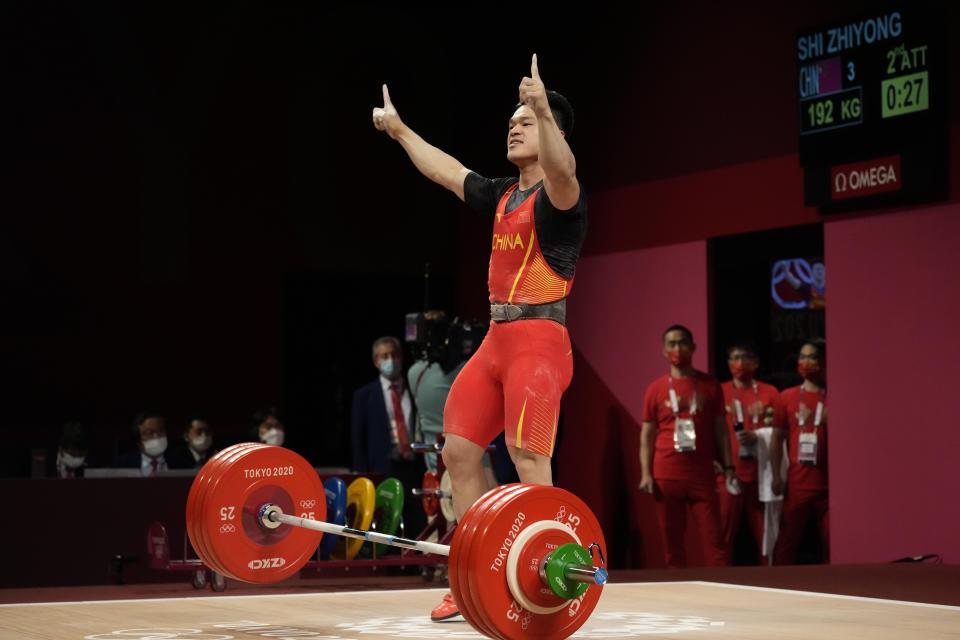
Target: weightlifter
<point>515,380</point>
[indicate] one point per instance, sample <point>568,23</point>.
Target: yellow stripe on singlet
<point>522,267</point>
<point>520,424</point>
<point>553,440</point>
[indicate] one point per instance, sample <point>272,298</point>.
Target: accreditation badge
<point>684,435</point>
<point>807,451</point>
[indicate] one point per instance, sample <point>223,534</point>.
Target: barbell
<point>526,561</point>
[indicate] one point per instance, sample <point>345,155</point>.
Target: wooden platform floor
<point>676,610</point>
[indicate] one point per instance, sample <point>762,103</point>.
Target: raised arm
<point>440,167</point>
<point>556,159</point>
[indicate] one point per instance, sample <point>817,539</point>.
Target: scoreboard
<point>873,110</point>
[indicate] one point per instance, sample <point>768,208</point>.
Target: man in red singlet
<point>514,381</point>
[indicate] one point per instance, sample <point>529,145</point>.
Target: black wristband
<point>729,467</point>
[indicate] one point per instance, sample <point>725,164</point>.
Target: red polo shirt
<point>668,463</point>
<point>797,403</point>
<point>761,408</point>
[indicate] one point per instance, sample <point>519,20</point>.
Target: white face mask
<point>155,446</point>
<point>72,462</point>
<point>273,437</point>
<point>388,368</point>
<point>201,444</point>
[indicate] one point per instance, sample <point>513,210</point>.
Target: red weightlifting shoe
<point>445,610</point>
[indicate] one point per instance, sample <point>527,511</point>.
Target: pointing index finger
<point>386,96</point>
<point>533,68</point>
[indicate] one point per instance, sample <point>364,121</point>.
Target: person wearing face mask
<point>71,460</point>
<point>750,406</point>
<point>150,431</point>
<point>197,448</point>
<point>268,428</point>
<point>684,433</point>
<point>382,415</point>
<point>382,420</point>
<point>805,417</point>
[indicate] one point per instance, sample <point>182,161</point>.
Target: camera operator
<point>442,349</point>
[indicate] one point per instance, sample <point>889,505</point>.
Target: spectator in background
<point>750,405</point>
<point>381,425</point>
<point>684,432</point>
<point>268,428</point>
<point>71,458</point>
<point>430,379</point>
<point>197,447</point>
<point>150,431</point>
<point>383,414</point>
<point>807,494</point>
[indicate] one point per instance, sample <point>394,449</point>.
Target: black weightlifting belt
<point>556,311</point>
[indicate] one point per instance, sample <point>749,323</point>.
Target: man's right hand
<point>386,118</point>
<point>646,484</point>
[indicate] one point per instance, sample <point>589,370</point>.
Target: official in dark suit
<point>150,431</point>
<point>382,427</point>
<point>197,446</point>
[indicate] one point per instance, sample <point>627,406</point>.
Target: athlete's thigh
<point>534,379</point>
<point>474,408</point>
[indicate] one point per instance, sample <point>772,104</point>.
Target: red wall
<point>765,194</point>
<point>619,335</point>
<point>647,242</point>
<point>894,365</point>
<point>620,305</point>
<point>752,196</point>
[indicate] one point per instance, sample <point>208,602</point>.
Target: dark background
<point>199,217</point>
<point>742,307</point>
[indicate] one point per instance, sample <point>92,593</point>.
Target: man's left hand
<point>532,92</point>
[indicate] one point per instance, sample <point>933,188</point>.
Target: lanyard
<point>818,415</point>
<point>675,403</point>
<point>738,404</point>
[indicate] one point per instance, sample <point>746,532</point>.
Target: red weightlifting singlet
<point>518,271</point>
<point>515,380</point>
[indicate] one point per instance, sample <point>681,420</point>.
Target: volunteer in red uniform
<point>750,405</point>
<point>684,433</point>
<point>514,381</point>
<point>807,493</point>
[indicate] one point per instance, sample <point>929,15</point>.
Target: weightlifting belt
<point>556,311</point>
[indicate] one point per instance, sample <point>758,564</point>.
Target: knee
<point>526,467</point>
<point>532,467</point>
<point>460,454</point>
